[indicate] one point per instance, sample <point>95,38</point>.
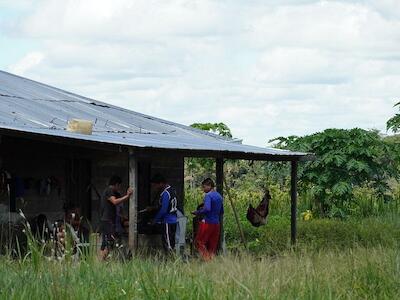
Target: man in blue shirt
<point>208,233</point>
<point>166,215</point>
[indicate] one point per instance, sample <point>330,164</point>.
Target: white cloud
<point>28,62</point>
<point>266,68</point>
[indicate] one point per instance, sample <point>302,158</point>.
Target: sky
<point>266,68</point>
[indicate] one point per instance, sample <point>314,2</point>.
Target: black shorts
<point>107,235</point>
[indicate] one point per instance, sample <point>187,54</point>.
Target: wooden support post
<point>219,174</point>
<point>293,196</point>
<point>133,204</point>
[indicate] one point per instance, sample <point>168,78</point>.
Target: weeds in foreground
<point>351,259</point>
<point>353,273</point>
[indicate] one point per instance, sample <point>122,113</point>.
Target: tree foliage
<point>345,159</point>
<point>217,128</point>
<point>199,168</point>
<point>394,122</point>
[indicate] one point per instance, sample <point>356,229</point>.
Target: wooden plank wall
<point>29,158</point>
<point>31,164</point>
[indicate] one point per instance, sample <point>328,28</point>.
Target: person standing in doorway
<point>110,200</point>
<point>166,215</point>
<point>208,233</point>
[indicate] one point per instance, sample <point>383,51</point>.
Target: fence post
<point>293,196</point>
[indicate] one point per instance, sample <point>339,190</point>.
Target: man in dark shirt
<point>110,199</point>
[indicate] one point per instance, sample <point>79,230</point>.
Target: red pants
<point>207,239</point>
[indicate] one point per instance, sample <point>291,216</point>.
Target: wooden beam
<point>133,204</point>
<point>219,176</point>
<point>235,155</point>
<point>293,196</point>
<point>219,172</point>
<point>148,151</point>
<point>222,154</point>
<point>90,145</point>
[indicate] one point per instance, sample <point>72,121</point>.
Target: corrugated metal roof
<point>30,106</point>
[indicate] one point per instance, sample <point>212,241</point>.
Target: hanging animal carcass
<point>258,216</point>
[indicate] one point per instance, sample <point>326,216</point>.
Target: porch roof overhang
<point>146,144</point>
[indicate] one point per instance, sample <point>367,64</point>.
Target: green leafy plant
<point>199,168</point>
<point>345,159</point>
<point>217,128</point>
<point>394,122</point>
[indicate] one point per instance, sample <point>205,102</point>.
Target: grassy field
<point>351,258</point>
<point>372,273</point>
<point>354,259</point>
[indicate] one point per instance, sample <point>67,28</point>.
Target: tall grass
<point>372,273</point>
<point>355,258</point>
<point>334,259</point>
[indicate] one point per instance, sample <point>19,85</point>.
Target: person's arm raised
<point>114,200</point>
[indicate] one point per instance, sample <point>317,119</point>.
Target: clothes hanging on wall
<point>19,187</point>
<point>45,187</point>
<point>8,190</point>
<point>55,185</point>
<point>5,178</point>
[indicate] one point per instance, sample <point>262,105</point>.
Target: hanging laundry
<point>19,187</point>
<point>5,178</point>
<point>48,186</point>
<point>56,185</point>
<point>45,187</point>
